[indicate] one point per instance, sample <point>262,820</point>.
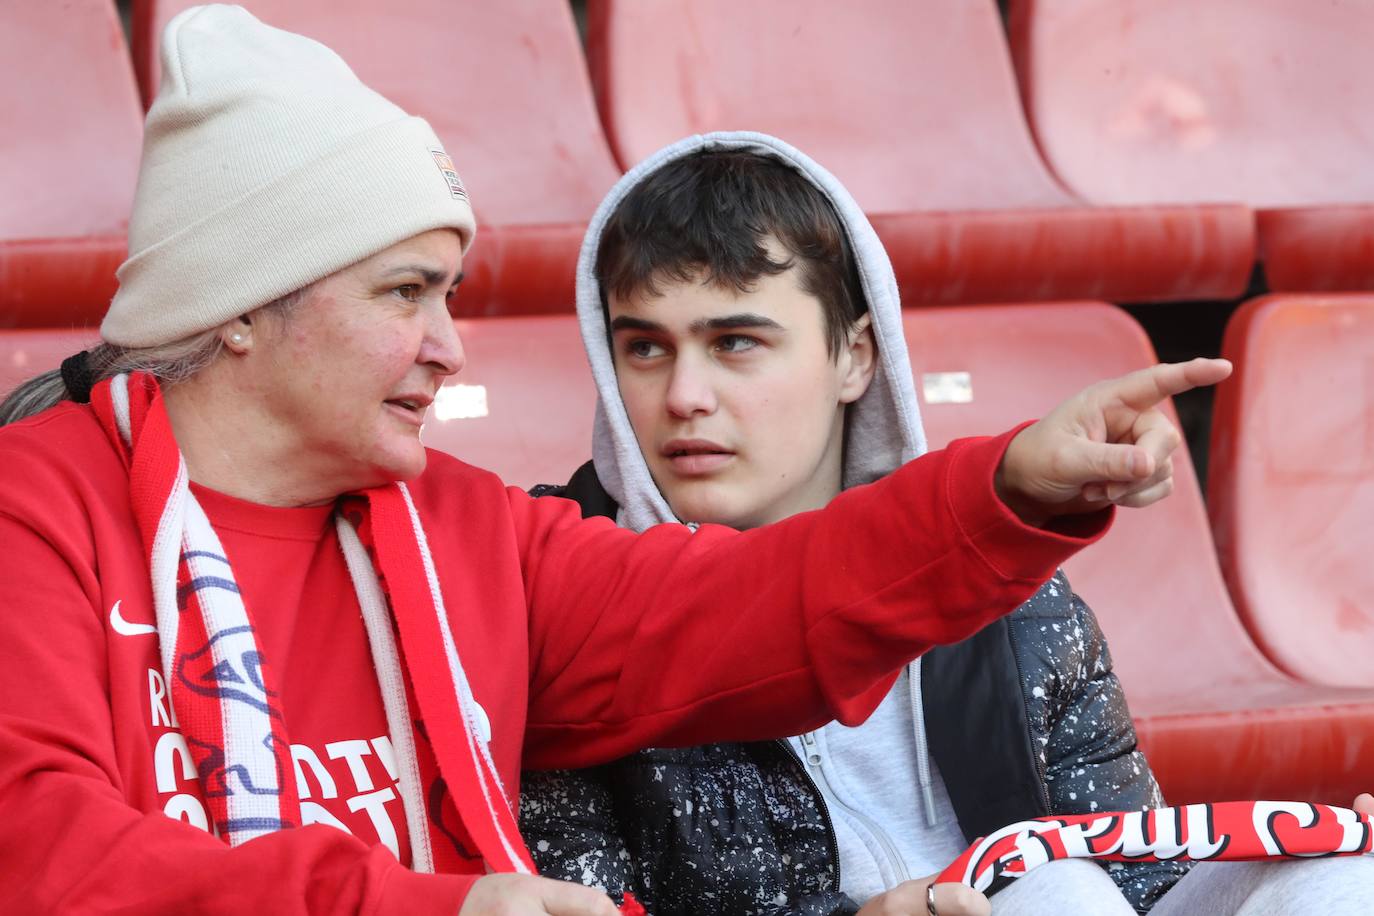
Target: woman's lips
<point>409,411</point>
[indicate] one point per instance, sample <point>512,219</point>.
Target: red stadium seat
<point>914,107</point>
<point>1267,102</point>
<point>27,352</point>
<point>504,86</point>
<point>68,162</point>
<point>523,405</point>
<point>1216,718</point>
<point>1291,481</point>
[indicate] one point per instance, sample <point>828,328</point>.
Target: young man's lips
<point>695,457</point>
<point>700,463</point>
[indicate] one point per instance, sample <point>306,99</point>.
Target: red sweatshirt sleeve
<point>672,637</point>
<point>69,839</point>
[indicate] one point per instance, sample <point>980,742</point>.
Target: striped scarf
<point>1222,832</point>
<point>222,686</point>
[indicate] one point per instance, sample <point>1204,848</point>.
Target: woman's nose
<point>443,347</point>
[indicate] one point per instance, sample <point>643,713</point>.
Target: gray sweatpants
<point>1329,887</point>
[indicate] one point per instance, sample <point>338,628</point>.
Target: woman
<point>223,610</point>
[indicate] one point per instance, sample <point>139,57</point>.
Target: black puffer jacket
<point>741,828</point>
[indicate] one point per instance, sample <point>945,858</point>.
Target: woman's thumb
<point>560,898</point>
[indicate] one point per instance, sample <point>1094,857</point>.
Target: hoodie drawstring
<point>918,722</point>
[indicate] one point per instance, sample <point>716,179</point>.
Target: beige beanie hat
<point>266,166</point>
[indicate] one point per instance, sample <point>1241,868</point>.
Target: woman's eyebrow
<point>430,275</point>
<point>733,322</point>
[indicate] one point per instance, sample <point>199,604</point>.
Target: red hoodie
<point>582,642</point>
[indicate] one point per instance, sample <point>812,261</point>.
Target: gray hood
<point>883,428</point>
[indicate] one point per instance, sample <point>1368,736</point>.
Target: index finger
<point>1145,388</point>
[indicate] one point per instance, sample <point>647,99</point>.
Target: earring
<point>236,338</point>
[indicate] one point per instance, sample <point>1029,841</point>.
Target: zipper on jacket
<point>821,804</point>
<point>813,763</point>
<point>1025,703</point>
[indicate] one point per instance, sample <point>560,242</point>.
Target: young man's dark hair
<point>711,216</point>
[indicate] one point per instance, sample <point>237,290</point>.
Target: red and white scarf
<point>222,687</point>
<point>1223,831</point>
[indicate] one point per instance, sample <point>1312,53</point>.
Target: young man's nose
<point>689,390</point>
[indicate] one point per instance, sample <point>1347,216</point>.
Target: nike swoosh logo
<point>124,628</point>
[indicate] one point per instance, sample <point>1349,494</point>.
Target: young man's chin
<point>711,503</point>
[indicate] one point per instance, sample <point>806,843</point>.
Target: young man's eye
<point>736,343</point>
<point>643,349</point>
<point>410,292</point>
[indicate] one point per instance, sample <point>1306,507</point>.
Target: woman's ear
<point>860,360</point>
<point>237,335</point>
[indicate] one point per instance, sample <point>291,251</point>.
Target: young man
<point>743,325</point>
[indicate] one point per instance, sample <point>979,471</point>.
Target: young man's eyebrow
<point>734,322</point>
<point>701,325</point>
<point>626,323</point>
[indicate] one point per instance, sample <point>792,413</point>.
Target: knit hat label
<point>445,164</point>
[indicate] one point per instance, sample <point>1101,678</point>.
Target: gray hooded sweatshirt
<point>893,819</point>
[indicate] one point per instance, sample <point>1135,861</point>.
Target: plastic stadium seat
<point>27,352</point>
<point>505,87</point>
<point>1267,102</point>
<point>914,107</point>
<point>1291,483</point>
<point>1216,718</point>
<point>523,404</point>
<point>68,161</point>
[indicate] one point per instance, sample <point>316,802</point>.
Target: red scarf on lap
<point>1224,831</point>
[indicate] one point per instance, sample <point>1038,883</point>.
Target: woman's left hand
<point>909,899</point>
<point>1364,803</point>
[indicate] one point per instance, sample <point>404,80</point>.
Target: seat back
<point>68,161</point>
<point>27,352</point>
<point>1153,581</point>
<point>502,84</point>
<point>912,105</point>
<point>1266,102</point>
<point>523,404</point>
<point>1291,481</point>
